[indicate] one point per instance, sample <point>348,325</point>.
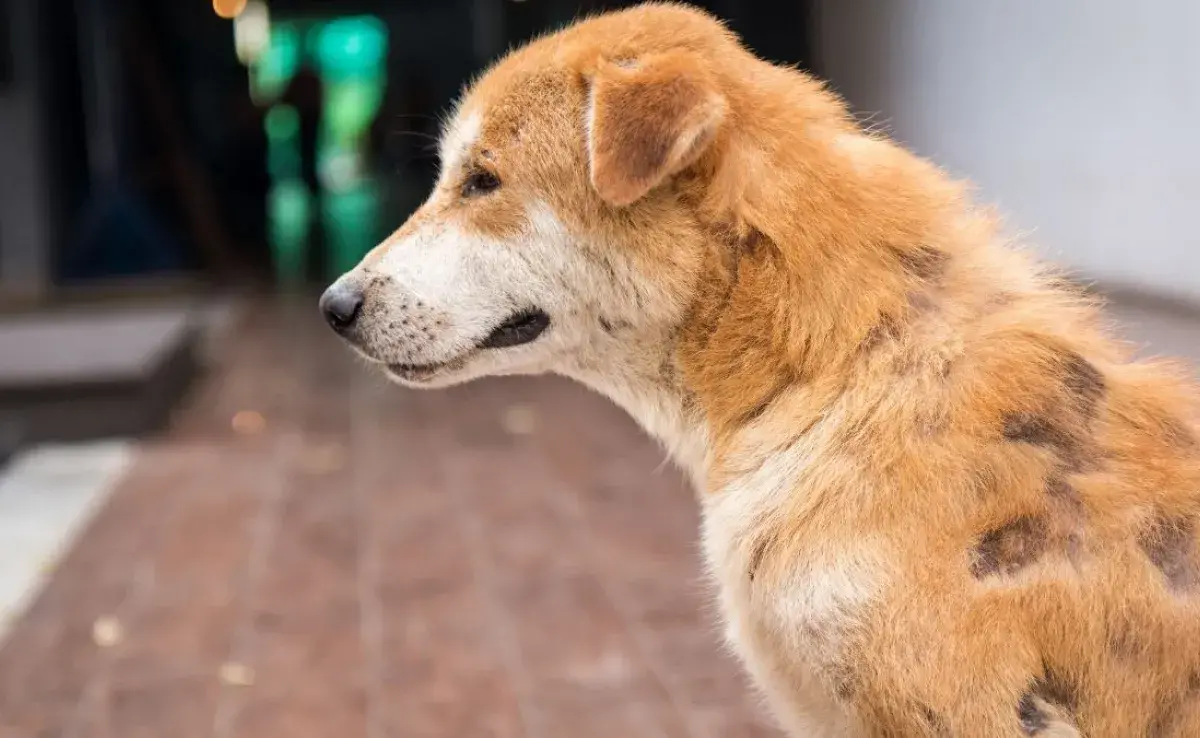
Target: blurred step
<point>10,438</point>
<point>81,374</point>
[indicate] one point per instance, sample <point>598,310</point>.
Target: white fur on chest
<point>790,631</point>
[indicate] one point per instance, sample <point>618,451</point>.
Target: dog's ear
<point>647,120</point>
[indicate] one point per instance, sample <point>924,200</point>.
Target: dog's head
<point>558,225</point>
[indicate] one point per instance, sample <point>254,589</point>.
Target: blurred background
<point>213,522</point>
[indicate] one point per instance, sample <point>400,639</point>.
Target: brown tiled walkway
<point>349,559</point>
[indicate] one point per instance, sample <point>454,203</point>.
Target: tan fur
<point>938,500</point>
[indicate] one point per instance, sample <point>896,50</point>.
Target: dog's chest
<point>790,629</point>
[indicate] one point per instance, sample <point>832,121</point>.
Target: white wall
<point>1080,118</point>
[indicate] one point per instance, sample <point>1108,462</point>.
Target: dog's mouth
<point>423,372</point>
<point>519,329</point>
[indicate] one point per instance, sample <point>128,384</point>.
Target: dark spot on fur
<point>1049,690</point>
<point>689,401</point>
<point>756,557</point>
<point>755,241</point>
<point>736,248</point>
<point>937,726</point>
<point>1029,712</point>
<point>1084,382</point>
<point>669,376</point>
<point>1056,435</point>
<point>886,329</point>
<point>739,240</point>
<point>613,327</point>
<point>1008,549</point>
<point>666,368</point>
<point>1054,688</point>
<point>1036,430</point>
<point>1060,489</point>
<point>608,268</point>
<point>842,680</point>
<point>1065,428</point>
<point>1170,544</point>
<point>925,263</point>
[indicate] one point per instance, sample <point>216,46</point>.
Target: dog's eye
<point>480,182</point>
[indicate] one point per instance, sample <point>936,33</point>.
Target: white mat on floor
<point>47,496</point>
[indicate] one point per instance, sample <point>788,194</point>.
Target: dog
<point>938,499</point>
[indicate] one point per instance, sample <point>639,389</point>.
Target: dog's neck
<point>696,386</point>
<point>643,379</point>
<point>843,248</point>
<point>799,282</point>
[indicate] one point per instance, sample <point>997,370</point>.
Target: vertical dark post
<point>26,228</point>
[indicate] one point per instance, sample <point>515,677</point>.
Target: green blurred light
<point>349,54</point>
<point>312,39</point>
<point>352,105</point>
<point>349,46</point>
<point>284,162</point>
<point>282,122</point>
<point>273,71</point>
<point>282,126</point>
<point>289,211</point>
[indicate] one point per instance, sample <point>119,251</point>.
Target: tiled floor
<point>312,553</point>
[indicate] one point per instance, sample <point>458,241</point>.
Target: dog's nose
<point>340,305</point>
